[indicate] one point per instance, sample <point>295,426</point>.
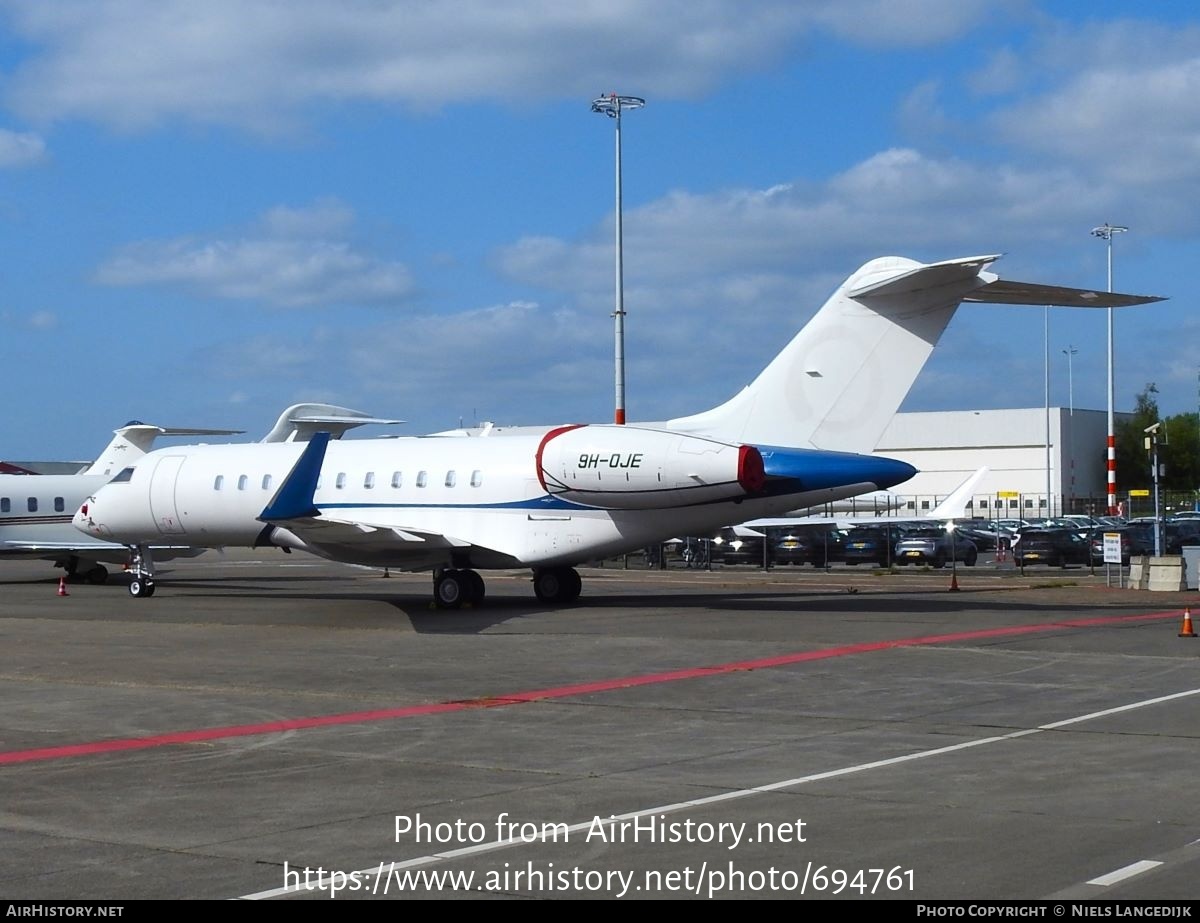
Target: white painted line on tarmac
<point>386,868</point>
<point>1128,872</point>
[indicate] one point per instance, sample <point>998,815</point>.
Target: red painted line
<point>558,692</point>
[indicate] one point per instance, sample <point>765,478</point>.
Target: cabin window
<point>242,482</point>
<point>219,482</point>
<point>422,478</point>
<point>266,482</point>
<point>451,478</point>
<point>397,478</point>
<point>369,480</point>
<point>340,482</point>
<point>476,478</point>
<point>59,505</point>
<point>32,504</point>
<point>125,476</point>
<point>5,505</point>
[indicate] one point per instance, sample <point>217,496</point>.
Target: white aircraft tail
<point>135,439</point>
<point>300,422</point>
<point>842,378</point>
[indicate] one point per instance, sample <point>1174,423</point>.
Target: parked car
<point>731,546</point>
<point>871,545</point>
<point>816,544</point>
<point>936,547</point>
<point>1053,547</point>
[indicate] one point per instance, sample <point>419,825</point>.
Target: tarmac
<point>276,727</point>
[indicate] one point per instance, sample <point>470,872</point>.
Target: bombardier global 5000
<point>555,496</point>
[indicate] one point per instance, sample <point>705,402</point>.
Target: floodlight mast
<point>611,106</point>
<point>1105,232</point>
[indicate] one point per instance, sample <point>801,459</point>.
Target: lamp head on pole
<point>612,104</point>
<point>1106,231</point>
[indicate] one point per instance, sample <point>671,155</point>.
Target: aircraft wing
<point>323,530</point>
<point>293,509</point>
<point>953,507</point>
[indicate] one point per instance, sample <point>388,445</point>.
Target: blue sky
<point>209,211</point>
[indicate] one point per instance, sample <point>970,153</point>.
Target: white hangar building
<point>1018,446</point>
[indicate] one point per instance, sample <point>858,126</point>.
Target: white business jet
<point>36,509</point>
<point>552,497</point>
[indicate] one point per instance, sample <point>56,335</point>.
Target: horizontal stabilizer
<point>921,277</point>
<point>300,422</point>
<point>135,439</point>
<point>1003,291</point>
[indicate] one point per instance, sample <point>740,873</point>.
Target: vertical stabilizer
<point>840,381</point>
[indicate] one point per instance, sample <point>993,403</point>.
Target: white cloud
<point>1124,106</point>
<point>132,63</point>
<point>20,149</point>
<point>289,264</point>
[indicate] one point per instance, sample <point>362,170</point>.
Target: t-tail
<point>840,381</point>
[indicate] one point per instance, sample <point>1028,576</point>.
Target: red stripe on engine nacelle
<point>537,458</point>
<point>752,473</point>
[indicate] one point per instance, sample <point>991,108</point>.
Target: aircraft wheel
<point>557,585</point>
<point>476,585</point>
<point>97,575</point>
<point>451,590</point>
<point>141,587</point>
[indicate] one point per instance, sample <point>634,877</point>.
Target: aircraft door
<point>162,495</point>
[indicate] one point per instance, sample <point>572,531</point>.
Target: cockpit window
<point>123,477</point>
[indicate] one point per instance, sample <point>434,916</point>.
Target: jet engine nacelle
<point>628,468</point>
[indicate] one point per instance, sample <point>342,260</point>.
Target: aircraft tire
<point>97,576</point>
<point>451,590</point>
<point>557,585</point>
<point>477,588</point>
<point>141,587</point>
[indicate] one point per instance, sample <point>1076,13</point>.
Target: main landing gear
<point>96,574</point>
<point>456,587</point>
<point>557,584</point>
<point>141,572</point>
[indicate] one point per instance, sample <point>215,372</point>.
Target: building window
<point>397,478</point>
<point>369,480</point>
<point>422,478</point>
<point>219,482</point>
<point>476,478</point>
<point>451,478</point>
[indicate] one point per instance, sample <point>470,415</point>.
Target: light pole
<point>1070,352</point>
<point>1046,372</point>
<point>1105,232</point>
<point>611,106</point>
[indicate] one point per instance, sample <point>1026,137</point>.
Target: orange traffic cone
<point>1186,630</point>
<point>62,587</point>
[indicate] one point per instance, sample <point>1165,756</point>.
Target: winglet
<point>955,505</point>
<point>295,498</point>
